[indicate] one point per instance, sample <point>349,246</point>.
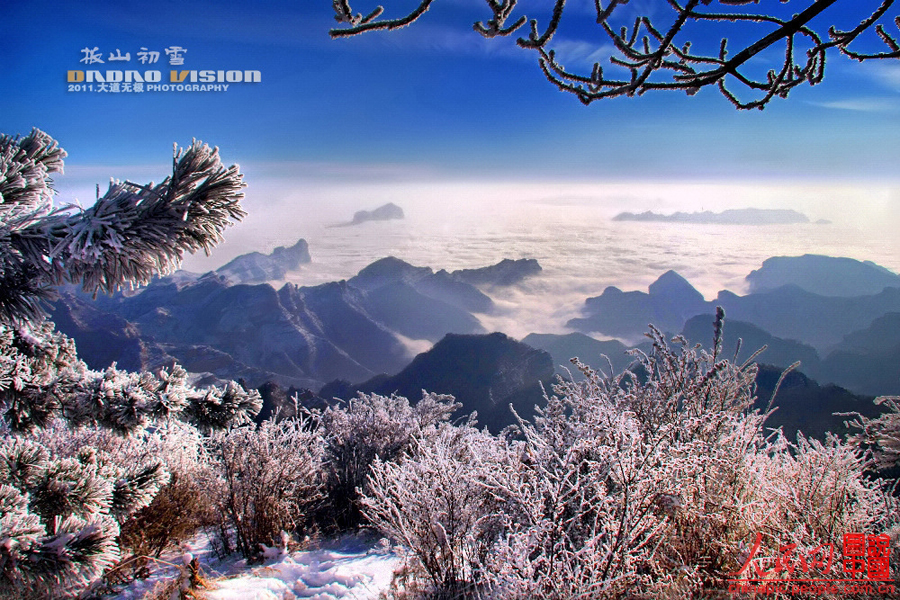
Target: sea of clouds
<point>566,225</point>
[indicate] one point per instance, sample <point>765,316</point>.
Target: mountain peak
<point>505,272</point>
<point>388,270</point>
<point>822,275</point>
<point>674,286</point>
<point>257,267</point>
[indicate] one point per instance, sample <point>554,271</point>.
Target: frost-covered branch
<point>42,378</point>
<point>131,234</point>
<point>881,433</point>
<point>662,51</point>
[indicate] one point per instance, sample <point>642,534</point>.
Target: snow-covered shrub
<point>364,429</point>
<point>185,504</point>
<point>440,502</point>
<point>105,437</point>
<point>653,482</point>
<point>270,477</point>
<point>882,433</point>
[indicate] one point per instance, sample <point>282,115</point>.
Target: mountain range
<point>851,341</point>
<point>362,334</point>
<point>737,216</point>
<point>301,336</point>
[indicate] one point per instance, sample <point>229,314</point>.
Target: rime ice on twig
<point>656,54</point>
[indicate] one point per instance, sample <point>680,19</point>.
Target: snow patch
<point>352,567</point>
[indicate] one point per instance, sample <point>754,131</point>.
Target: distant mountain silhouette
<point>296,336</point>
<point>256,267</point>
<point>402,308</point>
<point>506,272</point>
<point>869,360</point>
<point>392,278</point>
<point>386,271</point>
<point>670,301</point>
<point>486,373</point>
<point>790,312</point>
<point>779,352</point>
<point>103,337</point>
<point>857,334</point>
<point>823,275</point>
<point>390,275</point>
<point>803,405</point>
<point>740,216</point>
<point>385,212</point>
<point>563,348</point>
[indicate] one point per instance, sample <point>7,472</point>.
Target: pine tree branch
<point>130,235</point>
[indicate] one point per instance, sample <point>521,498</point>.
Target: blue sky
<point>433,98</point>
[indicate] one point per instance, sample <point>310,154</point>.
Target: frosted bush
<point>882,433</point>
<point>184,504</point>
<point>655,483</point>
<point>364,429</point>
<point>439,502</point>
<point>42,379</point>
<point>652,483</point>
<point>269,478</point>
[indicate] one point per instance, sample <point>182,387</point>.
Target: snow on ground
<point>354,567</point>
